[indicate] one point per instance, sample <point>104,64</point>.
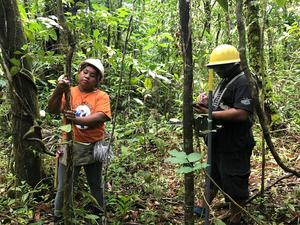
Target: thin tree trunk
<point>108,5</point>
<point>229,23</point>
<point>258,108</point>
<point>270,43</point>
<point>184,11</point>
<point>119,32</point>
<point>23,93</point>
<point>68,44</point>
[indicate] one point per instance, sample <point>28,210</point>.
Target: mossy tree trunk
<point>259,111</point>
<point>23,92</point>
<point>256,55</point>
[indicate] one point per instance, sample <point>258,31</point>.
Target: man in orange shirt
<point>90,108</point>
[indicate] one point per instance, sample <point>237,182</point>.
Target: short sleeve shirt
<point>86,104</point>
<point>235,135</point>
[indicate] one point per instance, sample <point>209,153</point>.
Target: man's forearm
<point>54,103</point>
<point>231,114</point>
<point>93,120</point>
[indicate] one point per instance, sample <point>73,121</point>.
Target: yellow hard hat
<point>224,54</point>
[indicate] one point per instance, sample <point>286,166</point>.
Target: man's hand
<point>200,108</point>
<point>54,103</point>
<point>70,114</point>
<point>63,84</point>
<point>202,99</point>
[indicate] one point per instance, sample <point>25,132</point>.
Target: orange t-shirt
<point>86,104</point>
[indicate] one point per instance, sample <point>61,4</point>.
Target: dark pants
<point>231,171</point>
<point>93,174</point>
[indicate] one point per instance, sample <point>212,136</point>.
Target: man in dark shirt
<point>232,144</point>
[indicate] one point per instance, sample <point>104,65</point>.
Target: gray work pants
<point>93,174</point>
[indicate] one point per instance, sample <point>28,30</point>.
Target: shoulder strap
<point>218,96</point>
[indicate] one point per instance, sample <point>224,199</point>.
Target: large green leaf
<point>200,166</point>
<point>193,157</point>
<point>177,153</point>
<point>175,160</point>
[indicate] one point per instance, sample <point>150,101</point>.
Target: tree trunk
<point>256,58</point>
<point>256,55</point>
<point>68,46</point>
<point>119,32</point>
<point>23,93</point>
<point>184,11</point>
<point>254,38</point>
<point>228,23</point>
<point>258,108</point>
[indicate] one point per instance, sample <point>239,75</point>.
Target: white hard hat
<point>96,63</point>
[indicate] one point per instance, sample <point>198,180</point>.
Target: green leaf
<point>52,82</point>
<point>168,36</point>
<point>96,33</point>
<point>184,169</point>
<point>219,222</point>
<point>29,34</point>
<point>14,70</point>
<point>15,62</point>
<point>66,128</point>
<point>53,35</point>
<point>176,153</point>
<point>193,157</point>
<point>25,47</point>
<point>200,166</point>
<point>281,3</point>
<point>148,83</point>
<point>134,80</point>
<point>292,207</point>
<point>175,160</point>
<point>223,4</point>
<point>22,12</point>
<point>25,197</point>
<point>91,217</point>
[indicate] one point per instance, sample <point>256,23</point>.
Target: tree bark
<point>68,43</point>
<point>258,108</point>
<point>185,22</point>
<point>228,23</point>
<point>256,55</point>
<point>23,92</point>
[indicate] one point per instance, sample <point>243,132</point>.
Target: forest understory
<point>142,188</point>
